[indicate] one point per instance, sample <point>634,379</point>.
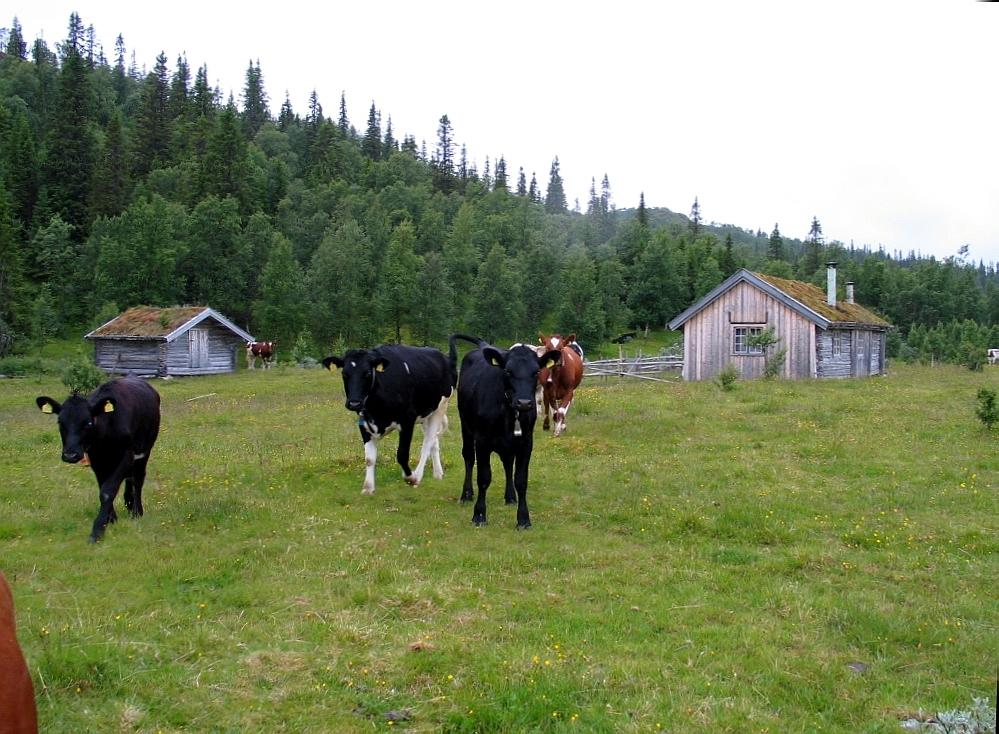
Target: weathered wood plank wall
<point>708,336</point>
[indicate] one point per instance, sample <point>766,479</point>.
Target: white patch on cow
<point>370,459</point>
<point>353,364</point>
<point>555,342</point>
<point>406,365</point>
<point>434,425</point>
<point>560,415</point>
<point>139,456</point>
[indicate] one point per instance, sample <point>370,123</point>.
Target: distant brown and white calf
<point>994,356</point>
<point>264,350</point>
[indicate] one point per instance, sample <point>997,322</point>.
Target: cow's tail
<point>453,351</point>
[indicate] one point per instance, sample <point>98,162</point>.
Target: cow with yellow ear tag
<point>496,403</point>
<point>394,387</point>
<point>115,427</point>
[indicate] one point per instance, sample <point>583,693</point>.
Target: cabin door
<point>198,344</point>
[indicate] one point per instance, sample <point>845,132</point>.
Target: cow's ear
<point>47,404</point>
<point>104,405</point>
<point>380,364</point>
<point>331,362</point>
<point>550,358</point>
<point>570,339</point>
<point>493,356</point>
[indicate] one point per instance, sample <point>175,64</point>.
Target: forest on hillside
<point>121,187</point>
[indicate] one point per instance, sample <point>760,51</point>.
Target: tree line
<point>121,187</point>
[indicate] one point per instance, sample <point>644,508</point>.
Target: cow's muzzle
<point>72,457</point>
<point>523,404</point>
<point>354,405</point>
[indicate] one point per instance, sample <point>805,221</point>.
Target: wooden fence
<point>641,368</point>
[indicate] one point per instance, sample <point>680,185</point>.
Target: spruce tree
<point>152,136</point>
<point>555,197</point>
<point>521,182</point>
<point>109,195</point>
<point>343,123</point>
<point>16,47</point>
<point>775,246</point>
<point>695,219</point>
<point>255,104</point>
<point>642,215</point>
<point>286,117</point>
<point>71,149</point>
<point>444,168</point>
<point>371,145</point>
<point>205,99</point>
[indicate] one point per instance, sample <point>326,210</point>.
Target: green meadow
<point>784,557</point>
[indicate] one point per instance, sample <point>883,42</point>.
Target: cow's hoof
<point>465,498</point>
<point>366,490</point>
<point>479,522</point>
<point>412,481</point>
<point>526,526</point>
<point>92,539</point>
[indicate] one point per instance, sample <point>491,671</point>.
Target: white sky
<point>877,116</point>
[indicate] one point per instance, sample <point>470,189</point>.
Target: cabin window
<point>838,343</point>
<point>740,339</point>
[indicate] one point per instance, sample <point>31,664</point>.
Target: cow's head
<point>520,365</point>
<point>359,369</point>
<point>77,422</point>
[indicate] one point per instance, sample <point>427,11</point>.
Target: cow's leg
<point>108,489</point>
<point>435,452</point>
<point>509,493</point>
<point>249,359</point>
<point>520,482</point>
<point>468,455</point>
<point>562,412</point>
<point>483,478</point>
<point>402,453</point>
<point>137,479</point>
<point>433,427</point>
<point>370,459</point>
<point>549,405</point>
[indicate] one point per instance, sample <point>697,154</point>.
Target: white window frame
<point>740,339</point>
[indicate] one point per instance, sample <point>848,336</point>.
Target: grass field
<point>785,557</point>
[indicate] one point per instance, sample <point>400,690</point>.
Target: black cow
<point>116,427</point>
<point>496,403</point>
<point>394,386</point>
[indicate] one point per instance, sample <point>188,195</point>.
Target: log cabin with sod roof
<point>162,342</point>
<point>823,336</point>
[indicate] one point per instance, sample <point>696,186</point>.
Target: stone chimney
<point>849,291</point>
<point>831,284</point>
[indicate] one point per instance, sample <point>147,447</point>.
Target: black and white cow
<point>395,386</point>
<point>116,427</point>
<point>496,403</point>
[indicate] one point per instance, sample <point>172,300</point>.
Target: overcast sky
<point>878,117</point>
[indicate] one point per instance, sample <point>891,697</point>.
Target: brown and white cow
<point>559,383</point>
<point>993,356</point>
<point>17,694</point>
<point>264,350</point>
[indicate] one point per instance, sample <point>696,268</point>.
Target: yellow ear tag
<point>47,407</point>
<point>549,364</point>
<point>108,408</point>
<point>380,367</point>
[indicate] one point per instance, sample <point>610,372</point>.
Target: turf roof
<point>815,298</point>
<point>148,321</point>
